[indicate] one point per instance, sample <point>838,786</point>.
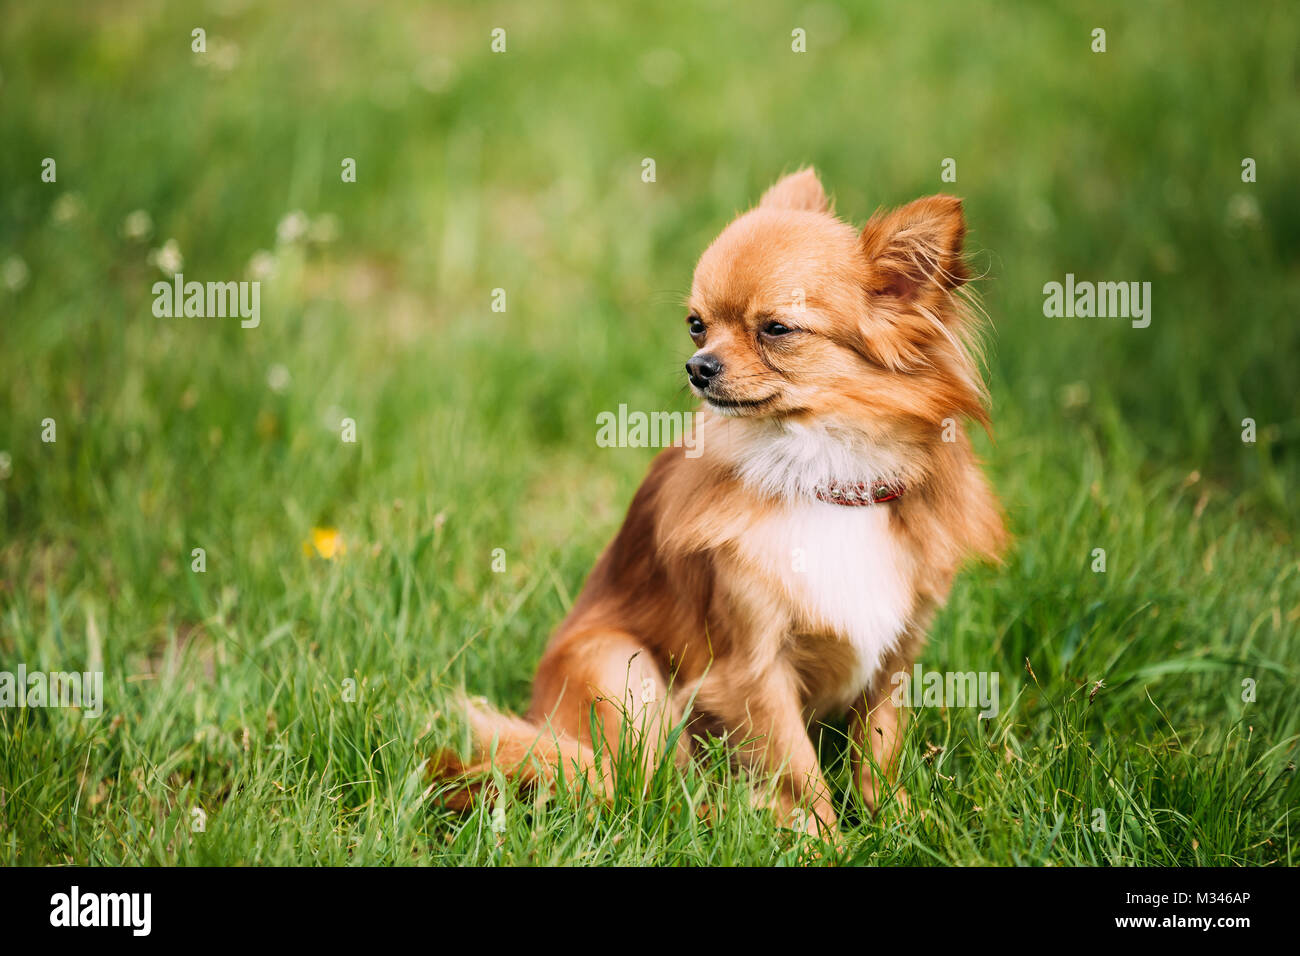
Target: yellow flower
<point>327,542</point>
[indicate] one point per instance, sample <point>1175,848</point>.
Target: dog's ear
<point>916,249</point>
<point>801,190</point>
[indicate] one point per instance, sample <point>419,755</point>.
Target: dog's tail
<point>520,750</point>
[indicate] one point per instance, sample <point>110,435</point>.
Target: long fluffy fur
<point>699,605</point>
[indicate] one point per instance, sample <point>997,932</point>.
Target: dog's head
<point>797,314</point>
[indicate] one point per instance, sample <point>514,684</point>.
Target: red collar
<point>858,493</point>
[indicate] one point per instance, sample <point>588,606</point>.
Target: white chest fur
<point>845,576</point>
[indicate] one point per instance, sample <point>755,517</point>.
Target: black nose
<point>702,368</point>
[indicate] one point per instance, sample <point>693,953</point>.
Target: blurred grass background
<point>522,171</point>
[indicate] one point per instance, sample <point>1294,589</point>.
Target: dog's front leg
<point>876,730</point>
<point>766,717</point>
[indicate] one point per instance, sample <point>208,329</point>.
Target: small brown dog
<point>793,567</point>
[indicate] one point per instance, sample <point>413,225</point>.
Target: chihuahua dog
<point>791,568</point>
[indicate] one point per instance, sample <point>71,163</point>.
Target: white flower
<point>277,378</point>
<point>6,465</point>
<point>1243,210</point>
<point>168,259</point>
<point>14,273</point>
<point>138,224</point>
<point>225,54</point>
<point>1075,395</point>
<point>292,227</point>
<point>262,265</point>
<point>67,208</point>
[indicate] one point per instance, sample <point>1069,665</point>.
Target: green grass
<point>224,690</point>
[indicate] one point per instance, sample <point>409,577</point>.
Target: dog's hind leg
<point>608,679</point>
<point>602,680</point>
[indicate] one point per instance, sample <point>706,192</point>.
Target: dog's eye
<point>695,325</point>
<point>776,328</point>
